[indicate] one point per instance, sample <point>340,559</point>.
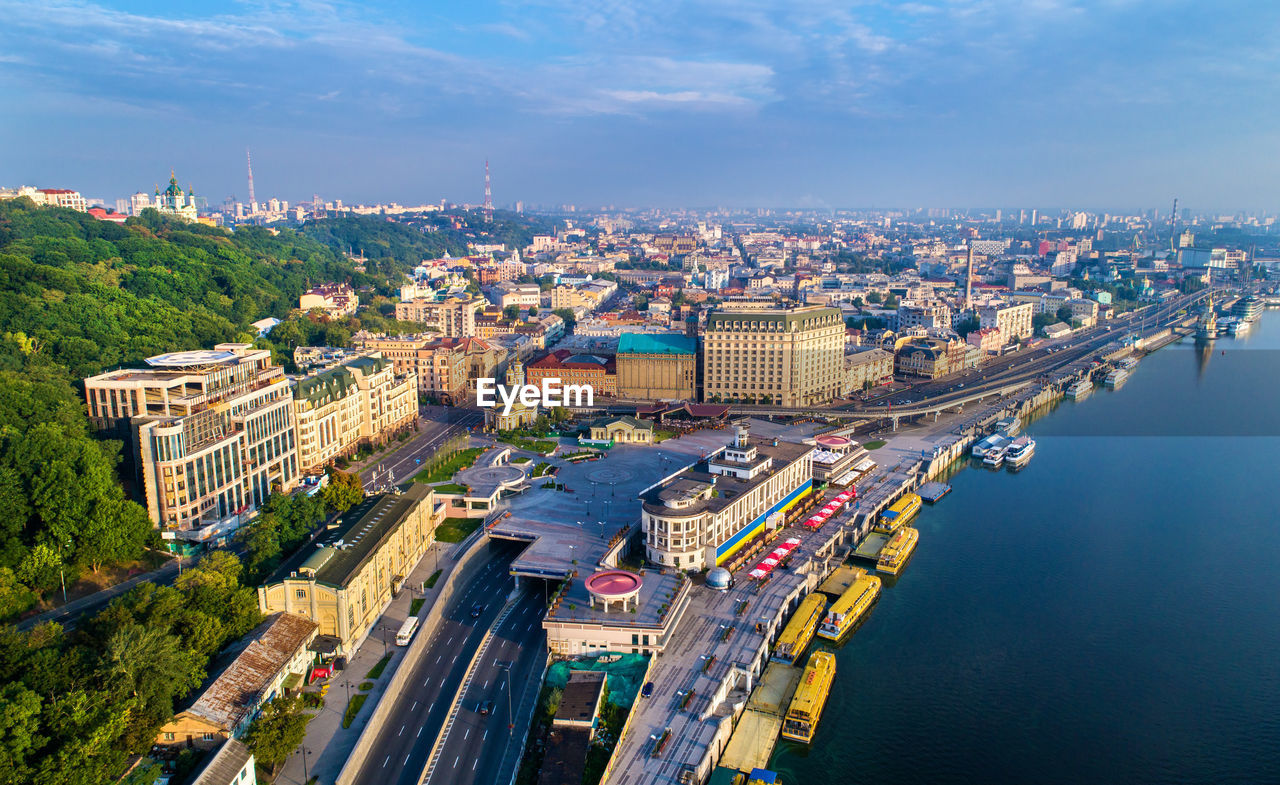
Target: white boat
<point>1009,426</point>
<point>1080,390</point>
<point>994,458</point>
<point>1238,327</point>
<point>1020,452</point>
<point>993,442</point>
<point>1116,378</point>
<point>1128,363</point>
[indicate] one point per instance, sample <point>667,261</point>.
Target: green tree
<point>874,298</point>
<point>1064,314</point>
<point>511,313</point>
<point>344,490</point>
<point>277,732</point>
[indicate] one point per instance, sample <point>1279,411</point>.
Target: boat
<point>798,633</point>
<point>994,458</point>
<point>1116,378</point>
<point>1238,327</point>
<point>1020,452</point>
<point>1080,390</point>
<point>801,721</point>
<point>1207,329</point>
<point>1248,309</point>
<point>896,552</point>
<point>1128,363</point>
<point>1009,426</point>
<point>845,612</point>
<point>899,512</point>
<point>993,442</point>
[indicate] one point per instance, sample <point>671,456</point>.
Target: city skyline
<point>735,105</point>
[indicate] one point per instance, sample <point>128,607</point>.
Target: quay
<point>933,491</point>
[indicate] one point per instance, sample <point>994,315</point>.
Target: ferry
<point>798,633</point>
<point>811,696</point>
<point>1080,390</point>
<point>1128,363</point>
<point>1116,379</point>
<point>1248,308</point>
<point>1020,452</point>
<point>845,612</point>
<point>993,442</point>
<point>994,458</point>
<point>900,512</point>
<point>1009,426</point>
<point>1238,327</point>
<point>896,552</point>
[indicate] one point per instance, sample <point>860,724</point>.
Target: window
<point>300,593</point>
<point>168,737</point>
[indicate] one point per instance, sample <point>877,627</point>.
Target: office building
<point>787,357</point>
<point>1013,321</point>
<point>661,366</point>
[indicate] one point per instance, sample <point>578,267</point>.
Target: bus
<point>405,635</point>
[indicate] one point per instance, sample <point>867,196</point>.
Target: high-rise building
<point>212,434</point>
<point>454,317</point>
<point>1013,321</point>
<point>660,366</point>
<point>786,357</point>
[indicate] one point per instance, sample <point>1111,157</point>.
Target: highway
<point>473,749</point>
<point>399,753</point>
<point>401,465</point>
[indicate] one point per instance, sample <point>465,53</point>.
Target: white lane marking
<point>438,656</point>
<point>476,763</point>
<point>486,734</point>
<point>406,759</point>
<point>427,681</point>
<point>455,761</point>
<point>485,686</point>
<point>465,735</point>
<point>420,730</point>
<point>401,733</point>
<point>385,762</point>
<point>414,706</point>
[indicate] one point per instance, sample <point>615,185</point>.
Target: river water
<point>1110,614</point>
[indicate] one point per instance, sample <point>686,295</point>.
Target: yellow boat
<point>810,698</point>
<point>852,605</point>
<point>899,513</point>
<point>798,633</point>
<point>896,552</point>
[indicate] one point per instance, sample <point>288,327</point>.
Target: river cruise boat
<point>806,706</point>
<point>1080,390</point>
<point>1238,327</point>
<point>1116,378</point>
<point>1128,363</point>
<point>897,551</point>
<point>1020,452</point>
<point>993,442</point>
<point>799,631</point>
<point>845,612</point>
<point>994,459</point>
<point>1009,426</point>
<point>1248,309</point>
<point>898,514</point>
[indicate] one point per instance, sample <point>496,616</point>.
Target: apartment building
<point>705,514</point>
<point>596,370</point>
<point>866,369</point>
<point>440,364</point>
<point>362,401</point>
<point>1013,321</point>
<point>787,357</point>
<point>451,316</point>
<point>591,295</point>
<point>211,434</point>
<point>662,367</point>
<point>335,300</point>
<point>521,295</point>
<point>934,315</point>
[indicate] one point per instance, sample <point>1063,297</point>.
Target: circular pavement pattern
<point>609,475</point>
<point>491,475</point>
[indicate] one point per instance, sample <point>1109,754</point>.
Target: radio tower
<point>253,203</point>
<point>1173,227</point>
<point>488,195</point>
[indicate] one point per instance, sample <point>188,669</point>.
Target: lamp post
<point>306,777</point>
<point>511,720</point>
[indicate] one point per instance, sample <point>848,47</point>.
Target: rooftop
<point>698,477</point>
<point>646,343</point>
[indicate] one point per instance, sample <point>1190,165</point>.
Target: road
<point>402,464</point>
<point>399,753</point>
<point>473,751</point>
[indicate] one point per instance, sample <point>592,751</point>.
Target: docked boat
<point>806,706</point>
<point>1020,452</point>
<point>845,612</point>
<point>896,552</point>
<point>994,458</point>
<point>1238,327</point>
<point>898,514</point>
<point>1080,390</point>
<point>1116,378</point>
<point>1128,363</point>
<point>993,442</point>
<point>1248,309</point>
<point>799,631</point>
<point>1009,426</point>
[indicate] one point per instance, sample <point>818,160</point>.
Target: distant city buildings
<point>334,300</point>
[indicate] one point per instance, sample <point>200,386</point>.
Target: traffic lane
<point>403,462</point>
<point>418,713</point>
<point>473,750</point>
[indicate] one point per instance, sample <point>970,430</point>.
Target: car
<point>484,707</point>
<point>647,690</point>
<point>476,610</point>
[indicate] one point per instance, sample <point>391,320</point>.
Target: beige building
<point>621,430</point>
<point>345,582</point>
<point>211,435</point>
<point>361,401</point>
<point>454,317</point>
<point>590,295</point>
<point>333,299</point>
<point>1013,321</point>
<point>661,366</point>
<point>869,367</point>
<point>786,357</point>
<point>440,364</point>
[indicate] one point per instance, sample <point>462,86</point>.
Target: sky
<point>1091,104</point>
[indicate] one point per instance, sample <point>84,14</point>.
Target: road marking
<point>425,682</point>
<point>420,730</point>
<point>385,762</point>
<point>467,734</point>
<point>485,686</point>
<point>438,656</point>
<point>455,761</point>
<point>401,733</point>
<point>476,763</point>
<point>415,705</point>
<point>406,759</point>
<point>486,734</point>
<point>446,643</point>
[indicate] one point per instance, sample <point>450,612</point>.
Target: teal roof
<point>325,387</point>
<point>667,343</point>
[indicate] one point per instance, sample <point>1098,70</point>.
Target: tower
<point>488,195</point>
<point>253,203</point>
<point>968,279</point>
<point>1173,227</point>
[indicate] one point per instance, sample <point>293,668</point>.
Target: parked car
<point>647,690</point>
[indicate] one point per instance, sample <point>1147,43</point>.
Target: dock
<point>871,546</point>
<point>840,580</point>
<point>757,731</point>
<point>933,491</point>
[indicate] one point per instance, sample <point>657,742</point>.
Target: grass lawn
<point>365,686</point>
<point>431,582</point>
<point>877,444</point>
<point>377,670</point>
<point>452,487</point>
<point>661,435</point>
<point>416,606</point>
<point>457,529</point>
<point>522,460</point>
<point>540,446</point>
<point>353,708</point>
<point>541,469</point>
<point>446,470</point>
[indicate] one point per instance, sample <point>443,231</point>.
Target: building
<point>276,652</point>
<point>591,295</point>
<point>49,197</point>
<point>787,357</point>
<point>345,582</point>
<point>1013,321</point>
<point>521,295</point>
<point>211,434</point>
<point>985,339</point>
<point>866,369</point>
<point>362,401</point>
<point>925,357</point>
<point>580,702</point>
<point>596,370</point>
<point>620,430</point>
<point>335,300</point>
<point>657,366</point>
<point>936,315</point>
<point>709,511</point>
<point>497,418</point>
<point>440,364</point>
<point>452,316</point>
<point>232,764</point>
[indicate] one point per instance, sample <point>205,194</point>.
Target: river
<point>1110,614</point>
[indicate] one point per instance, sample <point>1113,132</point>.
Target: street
<point>403,463</point>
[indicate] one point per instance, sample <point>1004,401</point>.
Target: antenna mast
<point>1173,227</point>
<point>488,195</point>
<point>253,202</point>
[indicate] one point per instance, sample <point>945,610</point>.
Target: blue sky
<point>1102,103</point>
